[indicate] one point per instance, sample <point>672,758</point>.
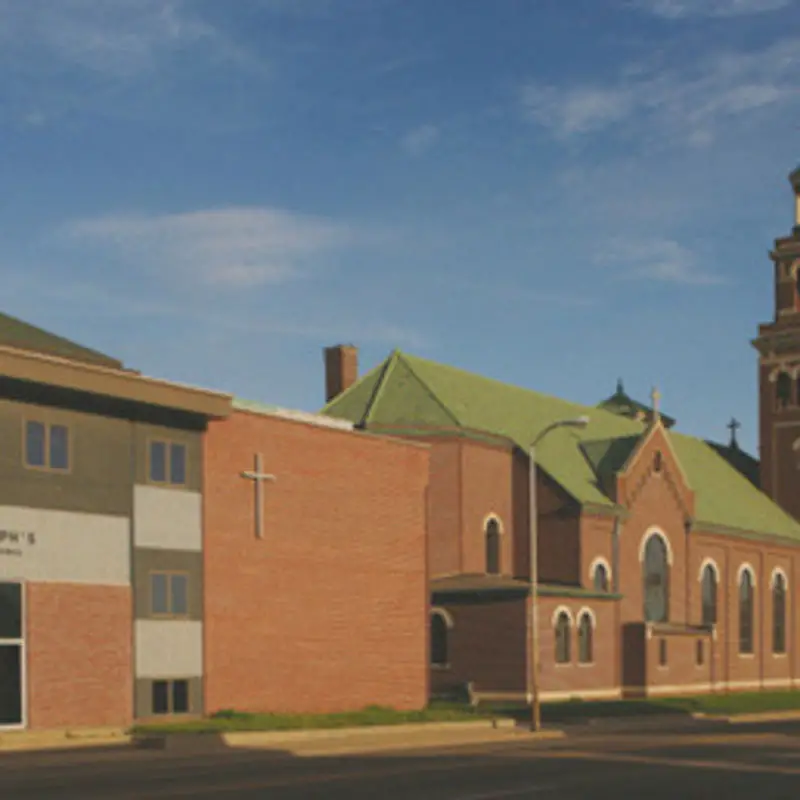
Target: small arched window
<point>783,390</point>
<point>563,630</point>
<point>779,613</point>
<point>492,533</point>
<point>439,635</point>
<point>708,592</point>
<point>746,611</point>
<point>600,577</point>
<point>656,579</point>
<point>585,638</point>
<point>658,461</point>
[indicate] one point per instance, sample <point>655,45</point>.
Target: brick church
<point>665,563</point>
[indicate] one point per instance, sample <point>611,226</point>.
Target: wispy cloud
<point>661,260</point>
<point>119,39</point>
<point>687,103</point>
<point>60,57</point>
<point>29,292</point>
<point>230,247</point>
<point>420,139</point>
<point>683,9</point>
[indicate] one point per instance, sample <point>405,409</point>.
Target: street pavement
<point>762,761</point>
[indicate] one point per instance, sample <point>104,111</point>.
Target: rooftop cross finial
<point>655,396</point>
<point>734,426</point>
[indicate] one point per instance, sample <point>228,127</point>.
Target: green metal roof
<point>413,393</point>
<point>24,336</point>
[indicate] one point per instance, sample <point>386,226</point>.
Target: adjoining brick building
<point>316,594</point>
<point>662,566</point>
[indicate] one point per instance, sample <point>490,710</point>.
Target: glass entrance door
<point>11,655</point>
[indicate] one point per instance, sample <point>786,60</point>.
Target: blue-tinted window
<point>59,447</point>
<point>158,462</point>
<point>177,464</point>
<point>179,601</point>
<point>158,593</point>
<point>35,433</point>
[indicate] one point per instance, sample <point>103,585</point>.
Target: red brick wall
<point>486,488</point>
<point>787,460</point>
<point>558,531</point>
<point>779,477</point>
<point>486,646</point>
<point>329,611</point>
<point>596,542</point>
<point>598,679</point>
<point>681,672</point>
<point>763,668</point>
<point>444,525</point>
<point>79,653</point>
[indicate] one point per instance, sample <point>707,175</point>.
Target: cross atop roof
<point>655,397</point>
<point>734,426</point>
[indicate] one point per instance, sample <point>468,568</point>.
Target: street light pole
<point>533,656</point>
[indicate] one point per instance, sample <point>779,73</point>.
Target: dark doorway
<point>10,654</point>
<point>10,684</point>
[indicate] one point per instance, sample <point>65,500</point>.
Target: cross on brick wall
<point>258,476</point>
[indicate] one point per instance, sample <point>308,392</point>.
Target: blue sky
<point>554,193</point>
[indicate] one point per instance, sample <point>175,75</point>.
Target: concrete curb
<point>390,738</point>
<point>14,741</point>
<point>316,734</point>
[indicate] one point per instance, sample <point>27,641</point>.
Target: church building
<point>661,563</point>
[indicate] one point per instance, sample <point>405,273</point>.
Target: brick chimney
<point>341,369</point>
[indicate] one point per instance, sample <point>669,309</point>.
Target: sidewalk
<point>337,741</point>
<point>311,742</point>
<point>63,739</point>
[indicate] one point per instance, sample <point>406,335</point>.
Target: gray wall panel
<point>194,453</point>
<point>146,561</point>
<point>143,697</point>
<point>100,471</point>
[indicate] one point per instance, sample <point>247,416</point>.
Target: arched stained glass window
<point>656,580</point>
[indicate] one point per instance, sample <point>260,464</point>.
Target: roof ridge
<point>386,371</point>
<point>427,388</point>
<point>589,409</point>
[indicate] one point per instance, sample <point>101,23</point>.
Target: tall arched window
<point>600,577</point>
<point>778,613</point>
<point>783,390</point>
<point>563,630</point>
<point>585,638</point>
<point>492,546</point>
<point>656,580</point>
<point>746,611</point>
<point>708,593</point>
<point>439,634</point>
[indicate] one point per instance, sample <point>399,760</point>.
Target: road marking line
<point>733,766</point>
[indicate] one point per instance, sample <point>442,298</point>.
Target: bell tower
<point>778,345</point>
